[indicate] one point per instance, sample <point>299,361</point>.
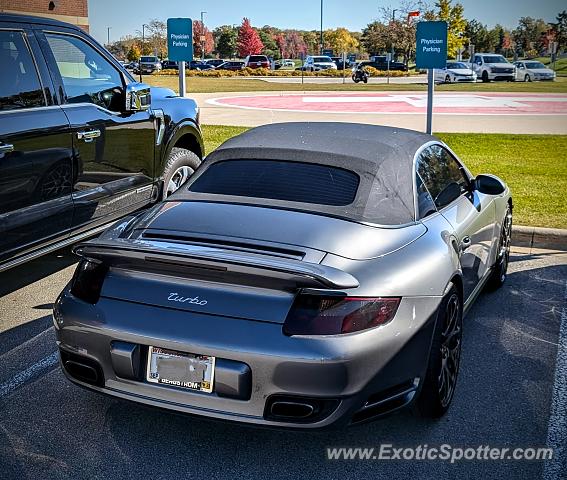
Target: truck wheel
<point>180,165</point>
<point>485,78</point>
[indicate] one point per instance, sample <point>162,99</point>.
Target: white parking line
<point>557,427</point>
<point>35,370</point>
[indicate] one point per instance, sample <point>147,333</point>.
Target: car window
<point>87,76</point>
<point>279,180</point>
<point>258,58</point>
<point>442,175</point>
<point>425,203</point>
<point>494,59</point>
<point>19,82</point>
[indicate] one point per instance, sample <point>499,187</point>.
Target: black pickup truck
<point>81,142</point>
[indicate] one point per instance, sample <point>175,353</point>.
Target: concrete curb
<point>539,237</point>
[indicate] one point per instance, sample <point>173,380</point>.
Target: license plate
<point>183,370</point>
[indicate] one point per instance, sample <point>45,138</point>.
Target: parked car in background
<point>530,70</point>
<point>169,65</point>
<point>215,62</point>
<point>490,66</point>
<point>81,142</point>
<point>199,65</point>
<point>287,63</point>
<point>317,63</point>
<point>257,61</point>
<point>380,62</point>
<point>455,72</point>
<point>233,65</point>
<point>148,65</point>
<point>342,65</point>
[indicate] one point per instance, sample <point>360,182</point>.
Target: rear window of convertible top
<point>279,180</point>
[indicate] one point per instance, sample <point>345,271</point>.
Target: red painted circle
<point>472,103</point>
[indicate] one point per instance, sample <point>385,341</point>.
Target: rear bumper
<point>352,378</point>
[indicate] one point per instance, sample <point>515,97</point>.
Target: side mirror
<point>138,97</point>
<point>489,184</point>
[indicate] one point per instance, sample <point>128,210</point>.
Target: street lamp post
<point>321,38</point>
<point>108,35</point>
<point>202,36</point>
<point>143,44</point>
<point>393,20</point>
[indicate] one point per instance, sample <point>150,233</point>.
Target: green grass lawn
<point>534,166</point>
<point>235,84</point>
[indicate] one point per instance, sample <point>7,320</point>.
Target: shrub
<point>264,72</point>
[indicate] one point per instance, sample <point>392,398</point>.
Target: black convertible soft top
<point>381,156</point>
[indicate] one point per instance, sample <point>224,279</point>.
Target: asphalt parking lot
<point>507,396</point>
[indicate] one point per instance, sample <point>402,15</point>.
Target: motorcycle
<point>360,75</point>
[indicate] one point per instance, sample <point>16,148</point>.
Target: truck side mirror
<point>138,97</point>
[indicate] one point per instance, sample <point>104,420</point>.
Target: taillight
<point>87,280</point>
<point>332,315</point>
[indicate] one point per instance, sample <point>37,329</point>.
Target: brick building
<point>70,11</point>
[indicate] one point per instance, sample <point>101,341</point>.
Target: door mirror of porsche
<point>489,184</point>
<point>138,97</point>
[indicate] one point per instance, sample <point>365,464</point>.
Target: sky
<point>126,16</point>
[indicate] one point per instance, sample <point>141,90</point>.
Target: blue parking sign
<point>431,45</point>
<point>180,39</point>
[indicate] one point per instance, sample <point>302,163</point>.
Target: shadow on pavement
<point>30,272</point>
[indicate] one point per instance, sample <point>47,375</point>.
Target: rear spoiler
<point>127,251</point>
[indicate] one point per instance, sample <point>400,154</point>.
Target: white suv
<point>314,64</point>
<point>490,66</point>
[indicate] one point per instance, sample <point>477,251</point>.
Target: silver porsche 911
<point>308,275</point>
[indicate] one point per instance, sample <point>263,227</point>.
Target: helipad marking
<point>413,103</point>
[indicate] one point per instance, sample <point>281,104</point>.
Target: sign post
<point>180,46</point>
<point>431,53</point>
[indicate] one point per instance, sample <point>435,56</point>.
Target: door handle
<point>160,117</point>
<point>465,242</point>
<point>6,147</point>
<point>88,135</point>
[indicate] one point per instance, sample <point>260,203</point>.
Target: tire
<point>485,78</point>
<point>180,165</point>
<point>440,380</point>
<point>355,79</point>
<point>500,268</point>
<point>527,78</point>
<point>448,79</point>
<point>365,79</point>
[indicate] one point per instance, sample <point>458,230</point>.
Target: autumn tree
<point>225,39</point>
<point>311,39</point>
<point>528,34</point>
<point>456,24</point>
<point>199,30</point>
<point>267,37</point>
<point>154,38</point>
<point>248,41</point>
<point>483,39</point>
<point>293,44</point>
<point>340,40</point>
<point>134,53</point>
<point>375,37</point>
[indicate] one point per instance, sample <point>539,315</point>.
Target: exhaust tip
<point>81,372</point>
<point>297,409</point>
<point>81,368</point>
<point>291,410</point>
